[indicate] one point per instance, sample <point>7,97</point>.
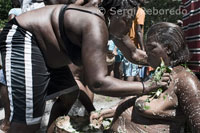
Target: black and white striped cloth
<point>28,79</point>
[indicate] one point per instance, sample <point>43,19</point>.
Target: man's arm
<point>130,51</point>
<point>139,36</point>
<point>94,47</point>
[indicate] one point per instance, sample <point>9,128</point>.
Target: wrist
<point>146,87</point>
<point>143,88</point>
<point>117,37</point>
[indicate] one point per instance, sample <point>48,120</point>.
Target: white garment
<point>28,5</point>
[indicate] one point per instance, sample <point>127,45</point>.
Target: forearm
<point>114,87</point>
<point>152,114</point>
<point>108,113</point>
<point>140,57</point>
<point>129,50</point>
<point>139,35</point>
<point>87,103</point>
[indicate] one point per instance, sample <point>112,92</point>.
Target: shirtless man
<point>179,102</point>
<point>38,45</point>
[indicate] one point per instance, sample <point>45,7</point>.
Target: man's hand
<point>153,86</point>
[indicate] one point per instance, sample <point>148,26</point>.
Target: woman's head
<point>120,14</point>
<point>166,40</point>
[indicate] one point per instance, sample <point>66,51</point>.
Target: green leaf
<point>146,107</point>
<point>164,97</point>
<point>147,100</point>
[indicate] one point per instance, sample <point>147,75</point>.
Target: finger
<point>91,119</point>
<point>163,84</point>
<point>166,75</point>
<point>165,79</point>
<point>101,119</point>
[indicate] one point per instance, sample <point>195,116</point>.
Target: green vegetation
<point>5,6</point>
<point>162,10</point>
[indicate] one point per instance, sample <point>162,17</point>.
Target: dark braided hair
<point>170,35</point>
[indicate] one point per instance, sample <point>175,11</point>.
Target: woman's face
<point>155,52</point>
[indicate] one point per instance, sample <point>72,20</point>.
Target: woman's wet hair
<point>170,36</point>
<point>108,5</point>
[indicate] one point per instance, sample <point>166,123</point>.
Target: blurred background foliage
<point>5,6</point>
<point>154,11</point>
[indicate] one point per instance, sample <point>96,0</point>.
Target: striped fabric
<point>8,67</point>
<point>191,27</point>
<point>29,81</point>
<point>20,102</point>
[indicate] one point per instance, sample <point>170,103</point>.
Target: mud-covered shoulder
<point>185,79</point>
<point>188,93</point>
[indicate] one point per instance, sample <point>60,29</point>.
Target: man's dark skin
<point>139,31</point>
<point>77,2</point>
<point>90,33</point>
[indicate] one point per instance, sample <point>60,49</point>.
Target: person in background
<point>16,10</point>
<point>136,35</point>
<point>117,70</point>
<point>28,5</point>
<point>5,125</point>
<point>110,58</point>
<point>137,29</point>
<point>191,27</point>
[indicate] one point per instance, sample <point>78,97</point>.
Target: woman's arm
<point>163,107</point>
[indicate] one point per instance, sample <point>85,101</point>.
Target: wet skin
<point>91,34</point>
<point>176,104</point>
<point>84,33</point>
<point>165,114</point>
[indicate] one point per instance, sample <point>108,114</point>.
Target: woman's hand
<point>96,119</point>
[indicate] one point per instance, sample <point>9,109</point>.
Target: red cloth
<point>191,27</point>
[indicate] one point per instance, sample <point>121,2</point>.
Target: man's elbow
<point>96,86</point>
